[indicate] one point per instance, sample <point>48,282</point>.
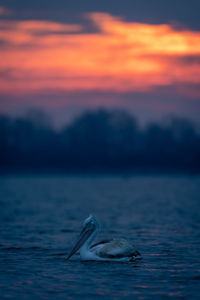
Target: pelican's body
<point>107,250</point>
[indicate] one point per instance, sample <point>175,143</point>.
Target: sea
<point>42,215</point>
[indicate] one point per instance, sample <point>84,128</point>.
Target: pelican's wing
<point>115,248</point>
<point>100,244</point>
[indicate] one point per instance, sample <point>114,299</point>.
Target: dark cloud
<point>190,59</point>
<point>154,11</point>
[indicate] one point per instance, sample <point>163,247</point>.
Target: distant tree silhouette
<point>102,139</point>
<point>98,141</point>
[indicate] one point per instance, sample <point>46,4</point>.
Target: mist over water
<point>41,217</point>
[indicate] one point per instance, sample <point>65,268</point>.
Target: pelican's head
<point>90,227</point>
<point>91,223</point>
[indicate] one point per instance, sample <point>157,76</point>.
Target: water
<point>41,217</point>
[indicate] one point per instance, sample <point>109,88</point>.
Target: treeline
<point>100,141</point>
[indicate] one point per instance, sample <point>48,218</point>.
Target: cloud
<point>4,11</point>
<point>39,56</point>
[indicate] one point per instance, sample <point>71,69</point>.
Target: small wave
<point>66,230</point>
<point>20,248</point>
<point>196,277</point>
<point>58,254</point>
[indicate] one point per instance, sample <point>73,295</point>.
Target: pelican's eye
<point>91,225</point>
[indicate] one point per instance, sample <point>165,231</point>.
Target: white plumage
<point>106,250</point>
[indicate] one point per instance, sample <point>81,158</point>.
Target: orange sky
<point>39,56</point>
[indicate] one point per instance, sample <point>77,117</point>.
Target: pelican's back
<point>115,248</point>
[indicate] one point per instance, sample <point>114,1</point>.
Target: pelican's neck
<point>86,245</point>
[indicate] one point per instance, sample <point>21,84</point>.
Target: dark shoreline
<point>103,172</point>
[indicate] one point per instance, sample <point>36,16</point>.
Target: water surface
<point>41,217</point>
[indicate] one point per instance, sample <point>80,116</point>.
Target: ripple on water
<point>39,227</point>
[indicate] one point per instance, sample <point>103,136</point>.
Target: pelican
<point>107,250</point>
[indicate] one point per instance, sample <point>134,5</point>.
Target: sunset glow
<point>37,56</point>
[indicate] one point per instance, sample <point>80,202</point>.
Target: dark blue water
<point>41,217</point>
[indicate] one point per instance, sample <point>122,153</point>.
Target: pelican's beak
<point>84,235</point>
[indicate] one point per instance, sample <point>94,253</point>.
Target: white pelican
<point>107,250</point>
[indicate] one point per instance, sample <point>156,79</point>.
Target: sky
<point>69,56</point>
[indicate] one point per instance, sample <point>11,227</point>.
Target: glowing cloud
<point>39,56</point>
<point>4,11</point>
